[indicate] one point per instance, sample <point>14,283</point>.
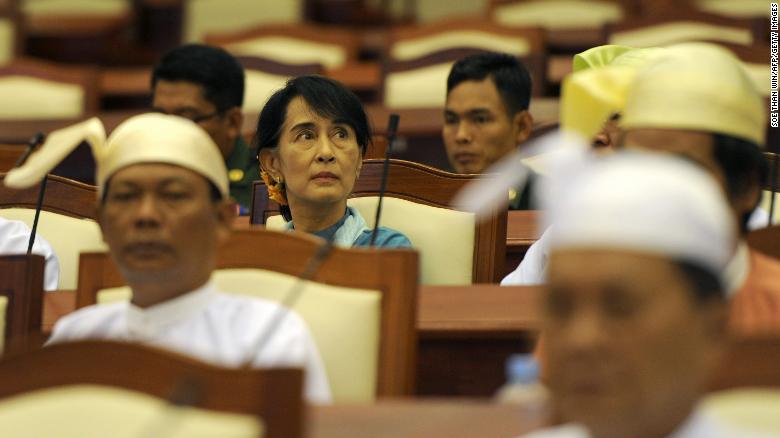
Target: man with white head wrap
<point>163,211</point>
<point>698,102</point>
<point>634,311</point>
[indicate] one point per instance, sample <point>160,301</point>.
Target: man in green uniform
<point>206,85</point>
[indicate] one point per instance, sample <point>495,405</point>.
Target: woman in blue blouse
<point>311,137</point>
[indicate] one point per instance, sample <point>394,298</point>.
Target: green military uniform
<point>521,199</point>
<point>243,169</point>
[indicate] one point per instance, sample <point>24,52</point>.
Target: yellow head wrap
<point>599,85</point>
<point>696,86</point>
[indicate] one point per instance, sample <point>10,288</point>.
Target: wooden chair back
<point>204,17</point>
<point>46,90</point>
<point>681,25</point>
<point>329,46</point>
<point>766,240</point>
<point>749,361</point>
<point>421,184</point>
<point>418,46</point>
<point>63,196</point>
<point>9,153</point>
<point>265,76</point>
<point>67,221</point>
<point>21,286</point>
<point>422,82</point>
<point>11,36</point>
<point>273,395</point>
<point>392,272</point>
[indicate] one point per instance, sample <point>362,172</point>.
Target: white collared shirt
<point>209,325</point>
<point>14,237</point>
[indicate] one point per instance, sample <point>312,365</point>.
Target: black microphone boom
<point>392,128</point>
<point>31,145</point>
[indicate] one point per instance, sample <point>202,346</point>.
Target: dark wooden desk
<point>438,418</point>
<point>466,334</point>
<point>522,231</point>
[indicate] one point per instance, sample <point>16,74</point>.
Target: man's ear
<point>234,117</point>
<point>226,215</point>
<point>524,124</point>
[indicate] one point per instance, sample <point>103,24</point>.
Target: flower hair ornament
<point>275,188</point>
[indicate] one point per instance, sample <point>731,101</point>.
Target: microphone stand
<point>392,128</point>
<point>31,145</point>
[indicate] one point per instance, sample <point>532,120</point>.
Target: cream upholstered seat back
<point>96,410</point>
<point>202,17</point>
<point>332,313</point>
<point>7,40</point>
<point>747,409</point>
<point>67,235</point>
<point>259,86</point>
<point>423,46</point>
<point>558,14</point>
<point>443,237</point>
<point>681,31</point>
<point>422,87</point>
<point>35,98</point>
<point>289,50</point>
<point>3,309</point>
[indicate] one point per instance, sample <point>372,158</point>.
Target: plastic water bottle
<point>523,385</point>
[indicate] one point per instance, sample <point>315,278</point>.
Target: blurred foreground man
<point>697,102</point>
<point>163,210</point>
<point>634,311</point>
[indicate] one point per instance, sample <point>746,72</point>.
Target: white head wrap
<point>644,202</point>
<point>146,138</point>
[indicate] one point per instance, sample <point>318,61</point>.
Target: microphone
<point>289,299</point>
<point>31,145</point>
<point>392,128</point>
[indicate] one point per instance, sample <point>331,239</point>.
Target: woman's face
<point>317,158</point>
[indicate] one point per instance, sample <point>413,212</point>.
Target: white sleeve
<point>14,236</point>
<point>533,269</point>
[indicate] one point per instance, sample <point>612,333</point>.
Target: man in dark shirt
<point>206,85</point>
<point>486,115</point>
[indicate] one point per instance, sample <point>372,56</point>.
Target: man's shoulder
<point>88,321</point>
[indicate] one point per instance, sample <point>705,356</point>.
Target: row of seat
<point>410,66</point>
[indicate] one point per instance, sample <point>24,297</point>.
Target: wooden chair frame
<point>535,61</point>
<point>749,361</point>
<point>630,7</point>
<point>10,9</point>
<point>63,196</point>
<point>306,32</point>
<point>86,78</point>
<point>21,282</point>
<point>281,69</point>
<point>392,272</point>
<point>684,14</point>
<point>274,395</point>
<point>422,184</point>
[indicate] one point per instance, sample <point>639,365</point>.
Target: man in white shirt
<point>163,211</point>
<point>14,238</point>
<point>634,311</point>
